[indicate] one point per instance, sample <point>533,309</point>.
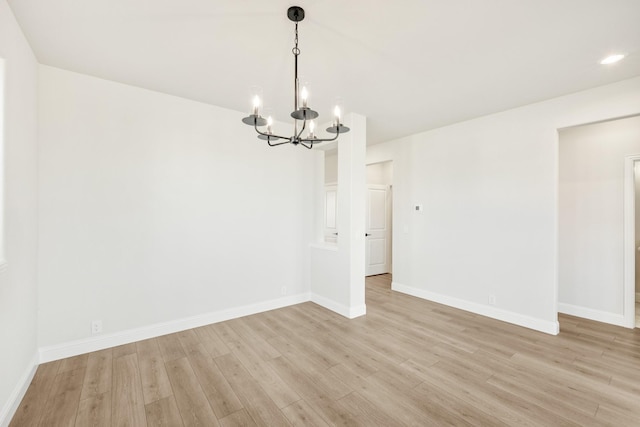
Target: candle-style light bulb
<point>256,105</point>
<point>312,127</point>
<point>269,123</point>
<point>336,114</point>
<point>304,95</point>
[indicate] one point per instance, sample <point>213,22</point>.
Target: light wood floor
<point>407,362</point>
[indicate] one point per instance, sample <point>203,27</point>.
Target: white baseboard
<point>546,326</point>
<point>11,406</point>
<point>357,311</point>
<point>591,314</point>
<point>74,348</point>
<point>341,309</point>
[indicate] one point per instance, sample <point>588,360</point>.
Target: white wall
<point>590,216</point>
<point>18,276</point>
<point>380,173</point>
<point>489,188</point>
<point>155,208</point>
<point>331,167</point>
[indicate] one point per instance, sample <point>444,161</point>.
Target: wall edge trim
<point>592,314</point>
<point>548,327</point>
<point>343,310</point>
<point>16,396</point>
<point>87,345</point>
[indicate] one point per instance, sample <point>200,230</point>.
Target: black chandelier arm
<point>270,135</point>
<point>317,140</point>
<point>277,143</point>
<point>304,125</point>
<point>310,146</point>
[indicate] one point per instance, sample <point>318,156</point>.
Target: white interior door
<point>378,234</point>
<point>330,213</point>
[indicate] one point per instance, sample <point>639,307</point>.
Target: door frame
<point>629,261</point>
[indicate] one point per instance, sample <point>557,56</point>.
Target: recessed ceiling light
<point>612,58</point>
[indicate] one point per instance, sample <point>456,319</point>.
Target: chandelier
<point>301,110</point>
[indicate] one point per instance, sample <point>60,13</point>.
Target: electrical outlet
<point>492,300</point>
<point>96,327</point>
<point>283,290</point>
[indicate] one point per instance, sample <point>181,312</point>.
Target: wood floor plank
<point>507,372</point>
<point>189,340</point>
<point>73,363</point>
<point>366,412</point>
<point>124,350</point>
<point>324,378</point>
<point>444,407</point>
<point>364,351</point>
<point>62,405</point>
<point>211,341</point>
<point>265,350</point>
<point>318,312</point>
<point>273,321</point>
<point>30,410</point>
<point>221,396</point>
<point>318,356</point>
<point>305,356</point>
<point>240,418</point>
<point>385,398</point>
<point>171,347</point>
<point>257,325</point>
<point>163,413</point>
<point>301,414</point>
<point>585,388</point>
<point>506,406</point>
<point>127,399</point>
<point>630,385</point>
<point>95,411</point>
<point>281,393</point>
<point>314,393</point>
<point>615,417</point>
<point>155,382</point>
<point>192,402</point>
<point>97,380</point>
<point>344,355</point>
<point>255,400</point>
<point>546,401</point>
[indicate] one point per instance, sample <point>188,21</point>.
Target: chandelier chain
<point>295,49</point>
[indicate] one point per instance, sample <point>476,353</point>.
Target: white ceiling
<point>408,65</point>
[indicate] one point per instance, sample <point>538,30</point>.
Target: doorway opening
<point>597,244</point>
<point>379,219</point>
